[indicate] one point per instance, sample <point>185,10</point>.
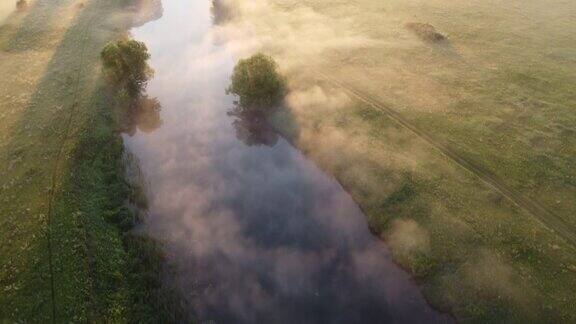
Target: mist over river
<point>254,231</point>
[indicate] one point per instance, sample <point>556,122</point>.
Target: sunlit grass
<point>60,260</point>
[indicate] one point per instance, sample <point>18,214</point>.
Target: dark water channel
<point>257,233</point>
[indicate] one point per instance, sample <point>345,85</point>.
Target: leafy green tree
<point>258,84</point>
<point>126,64</point>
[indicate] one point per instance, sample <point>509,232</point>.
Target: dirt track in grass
<point>540,212</point>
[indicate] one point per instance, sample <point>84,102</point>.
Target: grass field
<point>65,255</point>
<point>461,154</point>
<point>500,94</point>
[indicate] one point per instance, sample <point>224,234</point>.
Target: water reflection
<point>252,129</point>
<point>221,12</point>
<point>143,115</point>
<point>256,231</point>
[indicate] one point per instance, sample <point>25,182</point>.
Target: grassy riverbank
<point>66,255</point>
<point>474,253</point>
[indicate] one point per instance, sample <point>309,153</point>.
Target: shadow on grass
<point>44,140</point>
<point>34,29</point>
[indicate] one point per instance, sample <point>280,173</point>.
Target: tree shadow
<point>35,29</point>
<point>46,131</point>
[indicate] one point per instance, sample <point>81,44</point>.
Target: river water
<point>256,232</point>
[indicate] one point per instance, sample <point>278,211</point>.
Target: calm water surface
<point>257,233</point>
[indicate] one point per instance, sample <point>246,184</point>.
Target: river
<point>254,230</point>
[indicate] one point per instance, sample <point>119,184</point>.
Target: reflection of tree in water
<point>221,11</point>
<point>252,129</point>
<point>143,115</point>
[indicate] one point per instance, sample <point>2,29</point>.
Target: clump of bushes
<point>126,65</point>
<point>258,85</point>
<point>426,32</point>
<point>21,4</point>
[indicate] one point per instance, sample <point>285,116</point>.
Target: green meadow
<point>66,255</point>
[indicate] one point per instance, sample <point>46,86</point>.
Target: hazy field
<point>461,153</point>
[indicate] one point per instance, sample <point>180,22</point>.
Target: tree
<point>257,84</point>
<point>126,64</point>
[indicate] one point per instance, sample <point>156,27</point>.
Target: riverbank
<point>67,254</point>
<point>474,253</point>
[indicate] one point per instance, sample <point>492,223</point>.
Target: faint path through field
<point>56,171</point>
<point>540,212</point>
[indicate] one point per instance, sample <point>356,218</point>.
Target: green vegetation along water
<point>392,113</point>
<point>63,258</point>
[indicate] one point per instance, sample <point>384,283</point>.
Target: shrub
<point>21,4</point>
<point>426,32</point>
<point>258,84</point>
<point>126,64</point>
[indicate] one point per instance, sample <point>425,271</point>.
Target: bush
<point>258,84</point>
<point>21,4</point>
<point>426,32</point>
<point>126,64</point>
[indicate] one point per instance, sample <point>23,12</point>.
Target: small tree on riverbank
<point>258,84</point>
<point>126,64</point>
